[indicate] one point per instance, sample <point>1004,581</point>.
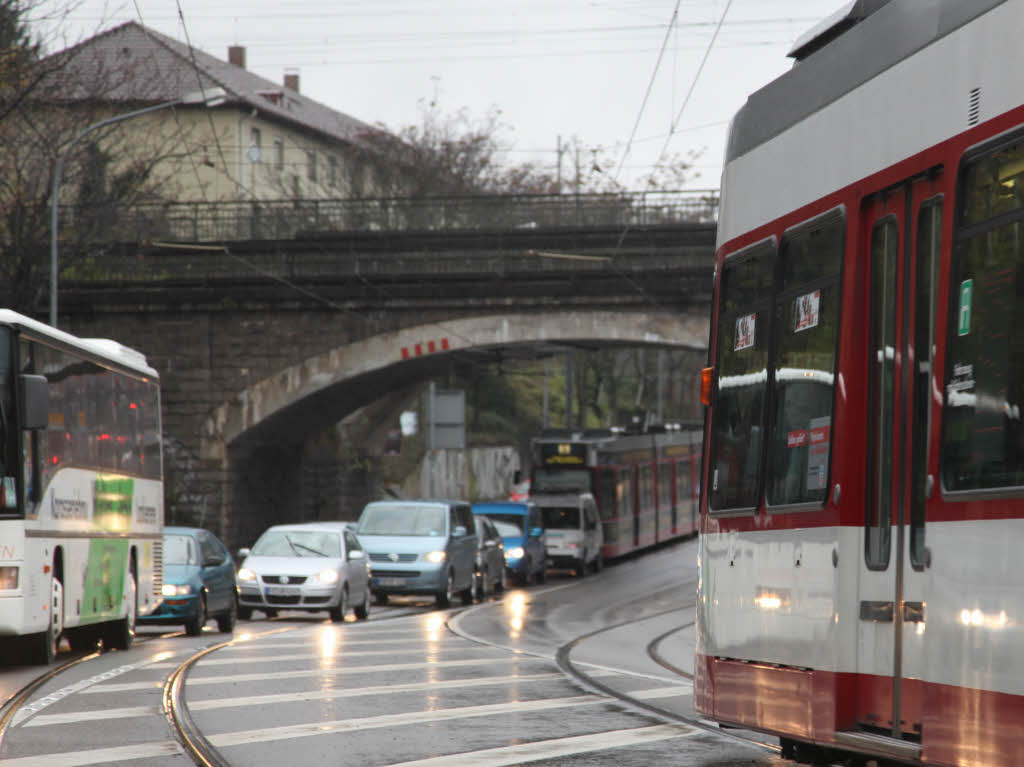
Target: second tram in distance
<point>644,483</point>
<point>862,519</point>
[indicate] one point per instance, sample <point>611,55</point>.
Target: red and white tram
<point>862,513</point>
<point>644,483</point>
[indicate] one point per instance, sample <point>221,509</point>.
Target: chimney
<point>236,55</point>
<point>291,79</point>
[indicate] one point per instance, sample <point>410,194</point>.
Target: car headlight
<point>176,589</point>
<point>326,577</point>
<point>435,556</point>
<point>516,553</point>
<point>245,574</point>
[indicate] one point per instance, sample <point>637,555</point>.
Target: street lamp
<point>209,97</point>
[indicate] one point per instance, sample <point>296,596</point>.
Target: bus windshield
<point>561,481</point>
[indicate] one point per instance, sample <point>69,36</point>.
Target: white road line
<point>340,654</point>
<point>396,720</point>
<point>264,735</point>
<point>291,697</point>
<point>343,641</point>
<point>553,749</point>
<point>98,755</point>
<point>271,675</point>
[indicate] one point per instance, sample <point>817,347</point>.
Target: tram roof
<point>847,49</point>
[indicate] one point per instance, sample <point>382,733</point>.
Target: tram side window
<point>805,338</point>
<point>983,438</point>
<point>742,368</point>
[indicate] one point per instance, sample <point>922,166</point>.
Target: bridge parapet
<point>289,219</point>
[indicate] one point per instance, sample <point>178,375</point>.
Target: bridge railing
<point>292,219</point>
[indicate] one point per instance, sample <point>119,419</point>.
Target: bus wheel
<point>120,634</point>
<point>43,647</point>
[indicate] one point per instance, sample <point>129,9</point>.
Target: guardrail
<point>296,219</point>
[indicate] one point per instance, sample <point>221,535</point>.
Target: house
<point>259,140</point>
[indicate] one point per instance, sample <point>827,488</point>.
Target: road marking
<point>296,697</point>
<point>269,734</point>
<point>341,654</point>
<point>553,749</point>
<point>98,756</point>
<point>288,732</point>
<point>271,675</point>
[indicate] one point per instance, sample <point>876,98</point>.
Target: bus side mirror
<point>34,401</point>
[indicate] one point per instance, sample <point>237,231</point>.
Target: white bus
<point>81,490</point>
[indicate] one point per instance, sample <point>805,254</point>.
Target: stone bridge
<point>265,345</point>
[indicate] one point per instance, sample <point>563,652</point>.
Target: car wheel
<point>363,610</point>
<point>226,621</point>
<point>194,626</point>
<point>485,586</point>
<point>581,567</point>
<point>598,562</point>
<point>502,583</point>
<point>444,598</point>
<point>338,613</point>
<point>244,613</point>
<point>467,594</point>
<point>381,597</point>
<point>542,574</point>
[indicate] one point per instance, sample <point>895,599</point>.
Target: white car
<point>313,566</point>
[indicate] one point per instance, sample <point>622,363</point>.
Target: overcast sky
<point>555,68</point>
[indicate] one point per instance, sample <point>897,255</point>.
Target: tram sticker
<point>745,329</point>
<point>963,378</point>
<point>819,435</point>
<point>807,311</point>
<point>796,438</point>
<point>964,313</point>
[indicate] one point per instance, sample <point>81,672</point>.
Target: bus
<point>81,491</point>
<point>862,504</point>
<point>643,481</point>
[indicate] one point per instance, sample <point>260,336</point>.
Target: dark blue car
<point>522,531</point>
<point>199,582</point>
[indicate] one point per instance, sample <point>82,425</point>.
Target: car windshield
<point>508,524</point>
<point>561,517</point>
<point>180,550</point>
<point>403,520</point>
<point>298,543</point>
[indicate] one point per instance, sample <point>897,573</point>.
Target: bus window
<point>742,372</point>
<point>983,440</point>
<point>805,337</point>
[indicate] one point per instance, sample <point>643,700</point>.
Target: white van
<point>573,533</point>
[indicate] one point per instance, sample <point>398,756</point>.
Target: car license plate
<point>282,591</point>
<point>392,581</point>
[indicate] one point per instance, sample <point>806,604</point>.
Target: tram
<point>862,513</point>
<point>643,481</point>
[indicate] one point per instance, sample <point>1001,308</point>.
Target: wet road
<point>529,678</point>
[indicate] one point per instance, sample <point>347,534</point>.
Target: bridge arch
<point>323,389</point>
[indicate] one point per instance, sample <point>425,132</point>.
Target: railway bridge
<point>265,344</point>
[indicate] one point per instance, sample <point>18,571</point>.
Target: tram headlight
<point>176,589</point>
<point>245,574</point>
<point>8,578</point>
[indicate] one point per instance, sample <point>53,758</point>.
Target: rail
<point>297,219</point>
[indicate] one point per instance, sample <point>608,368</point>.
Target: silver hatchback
<point>311,567</point>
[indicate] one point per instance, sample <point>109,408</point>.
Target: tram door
<point>901,242</point>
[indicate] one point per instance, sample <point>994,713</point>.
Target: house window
<point>278,154</point>
<point>254,145</point>
<point>311,165</point>
<point>332,172</point>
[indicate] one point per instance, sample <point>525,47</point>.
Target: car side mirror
<point>212,562</point>
<point>243,553</point>
<point>459,531</point>
<point>356,554</point>
<point>536,532</point>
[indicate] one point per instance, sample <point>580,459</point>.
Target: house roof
<point>142,66</point>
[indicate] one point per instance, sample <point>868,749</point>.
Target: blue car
<point>522,531</point>
<point>199,582</point>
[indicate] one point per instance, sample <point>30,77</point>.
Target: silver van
<point>420,547</point>
<point>573,531</point>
